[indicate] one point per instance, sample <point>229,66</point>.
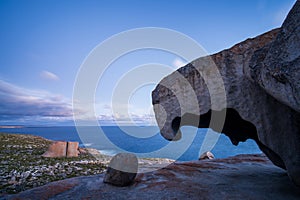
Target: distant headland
<point>11,126</point>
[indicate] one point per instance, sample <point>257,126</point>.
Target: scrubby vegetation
<point>22,167</point>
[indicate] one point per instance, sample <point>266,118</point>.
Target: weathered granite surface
<point>277,67</point>
<point>255,84</point>
<point>239,177</point>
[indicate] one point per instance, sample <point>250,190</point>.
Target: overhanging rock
<point>261,79</point>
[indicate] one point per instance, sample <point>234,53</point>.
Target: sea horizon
<point>149,143</point>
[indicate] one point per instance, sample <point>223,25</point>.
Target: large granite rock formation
<point>276,67</point>
<point>257,89</point>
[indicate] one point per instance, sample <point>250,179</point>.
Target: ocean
<point>143,141</point>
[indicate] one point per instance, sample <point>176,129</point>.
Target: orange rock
<point>56,149</point>
<point>62,149</point>
<point>72,149</point>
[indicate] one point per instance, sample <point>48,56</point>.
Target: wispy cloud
<point>17,103</point>
<point>49,76</point>
<point>131,119</point>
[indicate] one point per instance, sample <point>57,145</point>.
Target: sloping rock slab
<point>239,177</point>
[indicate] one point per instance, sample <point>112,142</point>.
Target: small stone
<point>25,175</point>
<point>207,155</point>
<point>12,182</point>
<point>4,162</point>
<point>78,168</point>
<point>64,175</point>
<point>82,151</point>
<point>13,178</point>
<point>51,173</point>
<point>85,173</point>
<point>122,170</point>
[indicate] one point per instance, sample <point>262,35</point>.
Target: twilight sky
<point>44,43</point>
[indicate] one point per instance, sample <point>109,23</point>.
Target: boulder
<point>207,156</point>
<point>121,170</point>
<point>62,149</point>
<point>72,149</point>
<point>56,149</point>
<point>250,91</point>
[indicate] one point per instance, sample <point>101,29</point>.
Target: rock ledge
<point>239,177</point>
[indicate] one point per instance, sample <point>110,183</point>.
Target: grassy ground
<point>22,167</point>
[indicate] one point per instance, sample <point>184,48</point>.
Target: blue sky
<point>43,44</point>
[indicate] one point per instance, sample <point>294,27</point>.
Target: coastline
<point>12,126</point>
<point>22,167</point>
<point>239,177</point>
<point>83,176</point>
